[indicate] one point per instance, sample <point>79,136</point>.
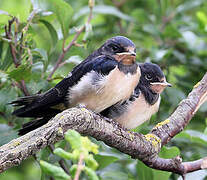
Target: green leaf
<point>169,152</point>
<point>73,169</point>
<point>91,173</point>
<point>7,134</point>
<point>1,50</point>
<point>41,52</point>
<point>74,59</point>
<point>188,5</point>
<point>64,13</point>
<point>88,31</point>
<point>54,171</point>
<point>74,138</point>
<point>23,72</point>
<point>4,17</point>
<point>43,154</point>
<point>88,145</point>
<point>203,108</point>
<point>103,9</point>
<point>4,12</point>
<point>114,175</point>
<point>3,77</point>
<point>53,33</point>
<point>192,40</point>
<point>202,17</point>
<point>104,160</point>
<point>44,56</point>
<point>20,9</point>
<point>194,136</point>
<point>175,95</point>
<point>40,36</point>
<point>91,162</point>
<point>62,10</point>
<point>161,175</point>
<point>205,131</point>
<point>7,94</point>
<point>6,57</point>
<point>62,153</point>
<point>144,172</point>
<point>197,175</point>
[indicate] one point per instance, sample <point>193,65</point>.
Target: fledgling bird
<point>105,77</point>
<point>144,101</point>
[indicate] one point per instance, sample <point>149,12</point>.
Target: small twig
<point>166,20</point>
<point>78,45</point>
<point>23,34</point>
<point>8,32</point>
<point>23,87</point>
<point>119,3</point>
<point>60,162</point>
<point>2,114</point>
<point>60,59</point>
<point>16,31</point>
<point>52,178</point>
<point>122,31</point>
<point>65,50</point>
<point>29,20</point>
<point>80,167</point>
<point>9,36</point>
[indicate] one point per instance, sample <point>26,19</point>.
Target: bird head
<point>153,77</point>
<point>121,48</point>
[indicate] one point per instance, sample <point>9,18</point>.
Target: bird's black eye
<point>148,77</point>
<point>114,48</point>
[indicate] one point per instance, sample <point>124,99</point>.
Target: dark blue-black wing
<point>42,105</point>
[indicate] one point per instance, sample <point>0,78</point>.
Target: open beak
<point>126,58</point>
<point>129,53</point>
<point>164,84</point>
<point>158,87</point>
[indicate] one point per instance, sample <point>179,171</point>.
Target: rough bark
<point>138,146</point>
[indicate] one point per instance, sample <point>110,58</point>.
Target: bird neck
<point>132,69</point>
<point>149,96</point>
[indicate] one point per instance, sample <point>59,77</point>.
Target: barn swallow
<point>105,77</point>
<point>144,101</point>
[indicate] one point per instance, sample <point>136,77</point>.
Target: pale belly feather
<point>107,91</point>
<point>137,113</point>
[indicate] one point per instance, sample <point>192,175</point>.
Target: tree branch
<point>138,146</point>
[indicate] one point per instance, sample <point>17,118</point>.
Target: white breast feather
<point>97,92</point>
<point>138,113</point>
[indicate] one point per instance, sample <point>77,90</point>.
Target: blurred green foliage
<point>81,148</point>
<point>171,33</point>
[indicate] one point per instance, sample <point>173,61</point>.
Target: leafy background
<point>171,33</point>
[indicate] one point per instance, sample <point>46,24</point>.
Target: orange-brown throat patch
<point>126,59</point>
<point>157,88</point>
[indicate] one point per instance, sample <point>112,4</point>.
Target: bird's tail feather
<point>24,100</point>
<point>32,125</point>
<point>26,103</point>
